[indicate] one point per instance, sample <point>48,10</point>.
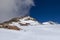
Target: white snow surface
<point>49,23</point>
<point>35,31</point>
<point>39,32</point>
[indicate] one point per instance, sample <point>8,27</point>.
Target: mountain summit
<point>25,21</point>
<point>16,23</point>
<point>49,23</point>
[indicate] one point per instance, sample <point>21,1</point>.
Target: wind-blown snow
<point>14,8</point>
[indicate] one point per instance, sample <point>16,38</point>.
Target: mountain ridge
<point>16,23</point>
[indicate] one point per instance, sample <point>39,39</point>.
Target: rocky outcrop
<point>6,26</point>
<point>12,20</point>
<point>24,24</point>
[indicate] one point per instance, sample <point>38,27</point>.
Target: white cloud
<point>14,8</point>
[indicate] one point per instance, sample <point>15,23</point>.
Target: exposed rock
<point>30,19</point>
<point>12,20</point>
<point>9,27</point>
<point>24,24</point>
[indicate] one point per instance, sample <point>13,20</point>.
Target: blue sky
<point>46,10</point>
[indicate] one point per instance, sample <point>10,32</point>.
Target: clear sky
<point>46,10</point>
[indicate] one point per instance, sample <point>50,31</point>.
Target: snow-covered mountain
<point>26,21</point>
<point>31,30</point>
<point>49,23</point>
<point>16,23</point>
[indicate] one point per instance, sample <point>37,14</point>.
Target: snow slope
<point>49,23</point>
<point>34,31</point>
<point>40,32</point>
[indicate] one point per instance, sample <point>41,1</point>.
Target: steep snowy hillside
<point>31,30</point>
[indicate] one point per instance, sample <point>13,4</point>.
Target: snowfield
<point>38,32</point>
<point>34,31</point>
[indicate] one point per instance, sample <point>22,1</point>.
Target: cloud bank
<point>14,8</point>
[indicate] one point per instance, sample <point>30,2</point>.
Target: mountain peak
<point>25,21</point>
<point>16,23</point>
<point>49,23</point>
